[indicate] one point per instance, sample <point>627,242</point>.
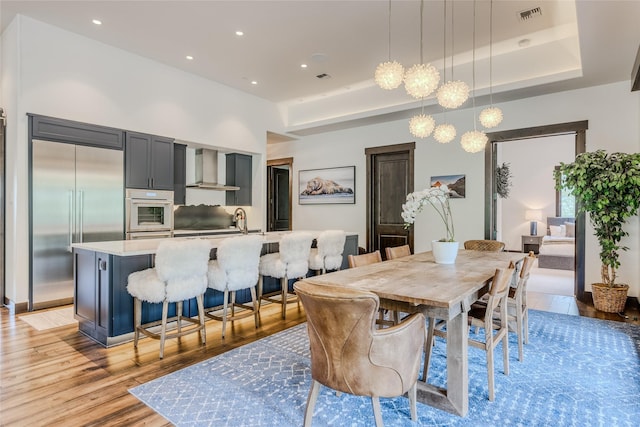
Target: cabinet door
<point>137,161</point>
<point>179,174</point>
<point>161,164</point>
<point>85,291</point>
<point>239,173</point>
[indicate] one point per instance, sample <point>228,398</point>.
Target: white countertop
<point>230,230</point>
<point>149,246</point>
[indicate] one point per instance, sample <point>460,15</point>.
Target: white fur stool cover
<point>180,272</point>
<point>292,260</point>
<point>236,264</point>
<point>328,254</point>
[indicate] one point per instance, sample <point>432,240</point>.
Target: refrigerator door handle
<point>81,216</point>
<point>69,249</point>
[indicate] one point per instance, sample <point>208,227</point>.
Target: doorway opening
<point>279,184</point>
<point>539,141</point>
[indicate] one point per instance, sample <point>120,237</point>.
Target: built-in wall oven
<point>148,214</point>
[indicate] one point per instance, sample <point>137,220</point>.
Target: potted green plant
<point>607,187</point>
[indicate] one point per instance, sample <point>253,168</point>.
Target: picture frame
<point>455,183</point>
<point>327,186</point>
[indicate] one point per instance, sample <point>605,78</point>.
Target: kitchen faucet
<point>240,214</point>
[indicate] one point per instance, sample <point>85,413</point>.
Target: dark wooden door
<point>389,180</point>
<point>279,194</point>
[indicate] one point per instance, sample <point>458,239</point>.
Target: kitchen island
<point>104,308</point>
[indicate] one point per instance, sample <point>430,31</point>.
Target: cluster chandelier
<point>421,80</point>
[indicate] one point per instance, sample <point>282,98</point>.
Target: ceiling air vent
<point>323,76</point>
<point>525,15</point>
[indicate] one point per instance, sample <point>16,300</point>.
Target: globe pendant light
<point>389,75</point>
<point>421,79</point>
<point>492,116</point>
<point>453,93</point>
<point>444,133</point>
<point>421,125</point>
<point>475,140</point>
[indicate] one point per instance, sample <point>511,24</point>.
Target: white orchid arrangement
<point>438,197</point>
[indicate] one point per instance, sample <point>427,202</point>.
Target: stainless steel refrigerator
<point>77,196</point>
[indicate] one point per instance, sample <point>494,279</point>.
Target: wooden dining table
<point>440,291</point>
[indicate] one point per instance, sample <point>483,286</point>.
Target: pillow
<point>557,230</point>
<point>571,229</point>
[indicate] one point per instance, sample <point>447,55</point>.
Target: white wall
<point>611,110</point>
<point>531,162</point>
<point>61,74</point>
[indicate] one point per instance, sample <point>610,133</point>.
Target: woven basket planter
<point>609,300</point>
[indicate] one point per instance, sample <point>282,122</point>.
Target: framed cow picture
<point>327,186</point>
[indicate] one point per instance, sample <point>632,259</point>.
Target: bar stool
<point>180,273</point>
<point>236,268</point>
<point>291,262</point>
<point>328,254</point>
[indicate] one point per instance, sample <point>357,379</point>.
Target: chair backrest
<point>364,259</point>
<point>330,248</point>
<point>239,258</point>
<point>484,245</point>
<point>499,288</point>
<point>347,352</point>
<point>182,265</point>
<point>525,271</point>
<point>294,249</point>
<point>397,251</point>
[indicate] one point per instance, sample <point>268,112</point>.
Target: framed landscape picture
<point>455,183</point>
<point>327,186</point>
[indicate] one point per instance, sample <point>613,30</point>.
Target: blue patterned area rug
<point>576,372</point>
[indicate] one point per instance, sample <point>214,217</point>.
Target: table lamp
<point>533,215</point>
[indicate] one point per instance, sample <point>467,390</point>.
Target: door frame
<point>285,161</point>
<point>578,129</point>
<point>371,154</point>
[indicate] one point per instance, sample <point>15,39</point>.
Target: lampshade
<point>444,133</point>
<point>421,80</point>
<point>389,75</point>
<point>421,125</point>
<point>453,94</point>
<point>491,117</point>
<point>533,215</point>
<point>473,141</point>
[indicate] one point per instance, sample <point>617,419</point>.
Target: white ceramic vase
<point>444,252</point>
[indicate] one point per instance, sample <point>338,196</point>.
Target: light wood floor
<point>60,377</point>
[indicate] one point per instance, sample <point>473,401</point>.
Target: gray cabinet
<point>239,173</point>
<point>93,269</point>
<point>179,174</point>
<point>148,161</point>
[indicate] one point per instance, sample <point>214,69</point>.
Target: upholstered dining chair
<point>484,245</point>
<point>328,253</point>
<point>290,262</point>
<point>349,355</point>
<point>236,268</point>
<point>180,273</point>
<point>397,251</point>
<point>482,316</point>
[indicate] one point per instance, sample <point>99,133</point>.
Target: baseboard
<point>21,307</point>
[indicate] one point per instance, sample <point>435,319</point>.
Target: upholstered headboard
<point>557,220</point>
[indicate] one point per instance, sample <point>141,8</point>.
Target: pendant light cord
<point>491,53</point>
<point>473,68</point>
<point>389,30</point>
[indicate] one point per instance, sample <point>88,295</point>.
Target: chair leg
<point>525,323</point>
<point>224,311</point>
<point>137,316</point>
<point>505,338</point>
<point>413,394</point>
<point>179,316</point>
<point>233,304</point>
<point>311,403</point>
<point>163,329</point>
<point>519,333</point>
<point>284,283</point>
<point>256,307</point>
<point>260,278</point>
<point>488,337</point>
<point>377,413</point>
<point>428,346</point>
<point>203,331</point>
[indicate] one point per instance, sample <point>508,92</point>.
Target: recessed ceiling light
<point>239,33</point>
<point>97,22</point>
<point>253,82</point>
<point>189,57</point>
<point>303,65</point>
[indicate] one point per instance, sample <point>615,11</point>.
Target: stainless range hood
<point>206,169</point>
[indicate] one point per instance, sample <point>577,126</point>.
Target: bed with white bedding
<point>558,246</point>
